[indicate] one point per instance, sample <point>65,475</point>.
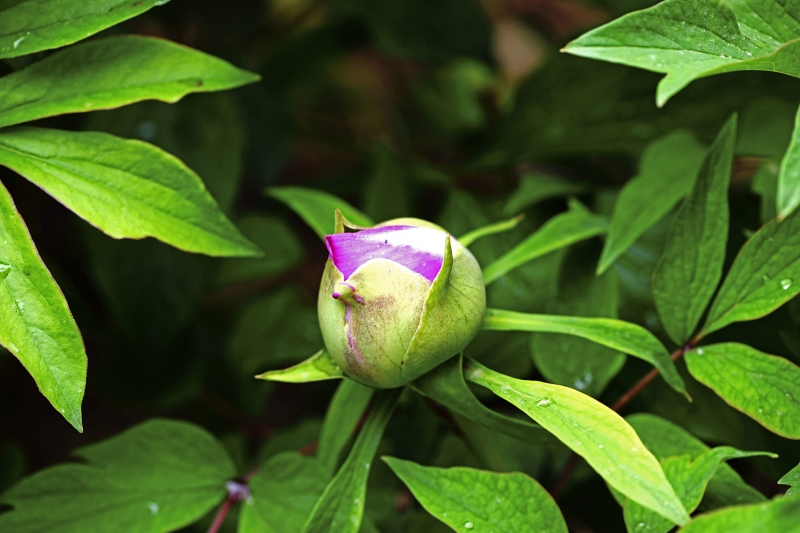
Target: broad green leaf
<point>340,509</point>
<point>691,266</point>
<point>318,367</point>
<point>789,175</point>
<point>616,334</point>
<point>386,192</point>
<point>666,439</point>
<point>689,478</point>
<point>764,387</point>
<point>575,225</point>
<point>126,188</point>
<point>594,432</point>
<point>35,322</point>
<point>283,493</point>
<point>792,478</point>
<point>491,229</point>
<point>446,385</point>
<point>764,276</point>
<point>667,170</point>
<point>27,27</point>
<point>779,515</point>
<point>535,187</point>
<point>112,72</point>
<point>318,208</point>
<point>156,477</point>
<point>690,39</point>
<point>344,412</point>
<point>467,499</point>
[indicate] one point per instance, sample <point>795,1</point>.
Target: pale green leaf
<point>691,266</point>
<point>318,208</point>
<point>491,229</point>
<point>536,187</point>
<point>594,432</point>
<point>781,515</point>
<point>667,170</point>
<point>154,478</point>
<point>340,509</point>
<point>616,334</point>
<point>126,188</point>
<point>764,387</point>
<point>690,39</point>
<point>792,478</point>
<point>575,225</point>
<point>789,175</point>
<point>318,367</point>
<point>344,412</point>
<point>32,26</point>
<point>470,500</point>
<point>35,322</point>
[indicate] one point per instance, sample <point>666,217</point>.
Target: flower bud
<point>397,300</point>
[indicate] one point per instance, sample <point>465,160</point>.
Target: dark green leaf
<point>667,170</point>
<point>764,387</point>
<point>110,73</point>
<point>153,478</point>
<point>126,188</point>
<point>318,367</point>
<point>690,39</point>
<point>792,478</point>
<point>386,191</point>
<point>318,208</point>
<point>616,334</point>
<point>789,176</point>
<point>691,266</point>
<point>467,499</point>
<point>35,322</point>
<point>779,515</point>
<point>345,410</point>
<point>593,431</point>
<point>535,187</point>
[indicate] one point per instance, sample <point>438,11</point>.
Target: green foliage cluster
<point>608,223</point>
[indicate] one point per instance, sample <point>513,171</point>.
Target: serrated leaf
<point>594,432</point>
<point>616,334</point>
<point>575,225</point>
<point>317,208</point>
<point>35,322</point>
<point>780,514</point>
<point>536,187</point>
<point>490,229</point>
<point>789,174</point>
<point>318,367</point>
<point>691,39</point>
<point>28,27</point>
<point>156,477</point>
<point>125,188</point>
<point>792,478</point>
<point>667,170</point>
<point>467,499</point>
<point>762,386</point>
<point>345,410</point>
<point>340,509</point>
<point>691,266</point>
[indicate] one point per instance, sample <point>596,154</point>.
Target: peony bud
<point>397,300</point>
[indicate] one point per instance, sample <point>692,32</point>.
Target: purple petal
<point>418,249</point>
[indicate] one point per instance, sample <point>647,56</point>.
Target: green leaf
<point>35,322</point>
<point>764,387</point>
<point>594,432</point>
<point>616,334</point>
<point>344,412</point>
<point>691,266</point>
<point>780,514</point>
<point>689,477</point>
<point>156,477</point>
<point>575,225</point>
<point>317,208</point>
<point>792,478</point>
<point>535,187</point>
<point>113,72</point>
<point>666,439</point>
<point>690,39</point>
<point>446,385</point>
<point>764,276</point>
<point>491,229</point>
<point>340,509</point>
<point>667,170</point>
<point>386,192</point>
<point>789,176</point>
<point>283,493</point>
<point>28,27</point>
<point>467,499</point>
<point>126,188</point>
<point>318,367</point>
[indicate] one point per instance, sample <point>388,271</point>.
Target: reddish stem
<point>221,515</point>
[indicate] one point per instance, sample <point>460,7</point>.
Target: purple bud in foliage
<point>397,300</point>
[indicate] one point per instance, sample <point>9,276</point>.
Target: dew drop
<point>153,506</point>
<point>13,347</point>
<point>786,283</point>
<point>544,403</point>
<point>699,351</point>
<point>4,270</point>
<point>469,525</point>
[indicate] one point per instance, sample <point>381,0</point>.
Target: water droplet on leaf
<point>469,525</point>
<point>786,283</point>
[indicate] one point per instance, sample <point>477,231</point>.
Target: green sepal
<point>341,224</point>
<point>318,367</point>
